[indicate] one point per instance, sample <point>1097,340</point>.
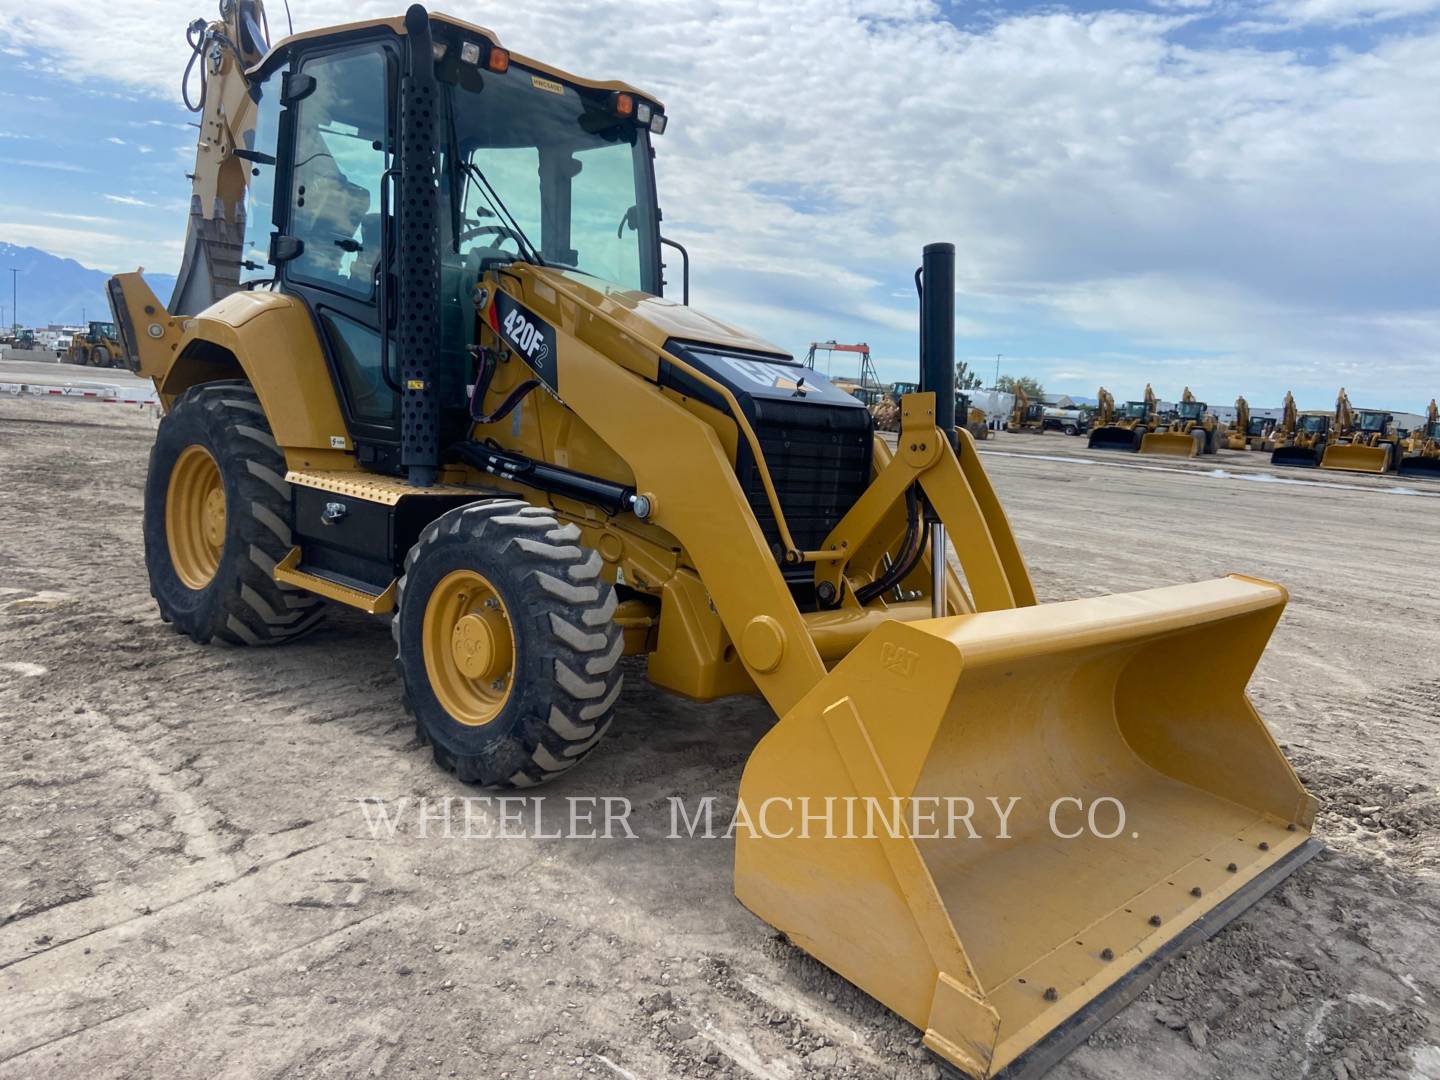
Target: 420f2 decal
<point>531,337</point>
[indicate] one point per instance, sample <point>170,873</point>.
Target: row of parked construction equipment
<point>1346,439</point>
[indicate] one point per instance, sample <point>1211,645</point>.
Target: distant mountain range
<point>55,290</point>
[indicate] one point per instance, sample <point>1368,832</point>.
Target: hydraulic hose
<point>911,550</point>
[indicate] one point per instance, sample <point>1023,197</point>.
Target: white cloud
<point>35,163</point>
<point>127,200</point>
<point>1290,13</point>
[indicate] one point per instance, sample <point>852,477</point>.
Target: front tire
<point>217,520</point>
<point>102,356</point>
<point>506,644</point>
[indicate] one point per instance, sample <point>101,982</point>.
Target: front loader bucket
<point>1008,945</point>
<point>1425,467</point>
<point>1306,457</point>
<point>1114,438</point>
<point>1349,458</point>
<point>1170,444</point>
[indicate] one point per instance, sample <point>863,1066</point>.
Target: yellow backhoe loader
<point>1364,440</point>
<point>1248,432</point>
<point>1420,452</point>
<point>1026,415</point>
<point>1281,434</point>
<point>1304,442</point>
<point>1193,430</point>
<point>1124,428</point>
<point>445,388</point>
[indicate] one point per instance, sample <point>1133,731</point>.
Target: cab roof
<point>397,24</point>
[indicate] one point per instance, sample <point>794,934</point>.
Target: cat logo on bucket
<point>898,659</point>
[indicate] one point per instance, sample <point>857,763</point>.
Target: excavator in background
<point>1364,440</point>
<point>1126,427</point>
<point>1191,430</point>
<point>1420,451</point>
<point>434,388</point>
<point>1248,432</point>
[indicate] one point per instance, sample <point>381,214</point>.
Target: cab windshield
<point>1133,408</point>
<point>1314,423</point>
<point>1190,410</point>
<point>535,164</point>
<point>1373,421</point>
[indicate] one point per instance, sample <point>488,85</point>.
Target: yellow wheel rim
<point>195,517</point>
<point>469,647</point>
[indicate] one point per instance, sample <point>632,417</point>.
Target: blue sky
<point>1239,197</point>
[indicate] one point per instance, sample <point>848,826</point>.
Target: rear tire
<point>217,520</point>
<point>102,356</point>
<point>538,694</point>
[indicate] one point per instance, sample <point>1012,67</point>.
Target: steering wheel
<point>502,232</point>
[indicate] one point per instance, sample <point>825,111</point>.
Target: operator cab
<point>534,165</point>
<point>1134,410</point>
<point>1314,425</point>
<point>1370,421</point>
<point>1191,410</point>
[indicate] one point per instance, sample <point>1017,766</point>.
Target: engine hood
<point>652,319</point>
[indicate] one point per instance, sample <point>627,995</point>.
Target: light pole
<point>997,370</point>
<point>14,291</point>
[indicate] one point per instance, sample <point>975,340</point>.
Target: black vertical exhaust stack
<point>417,251</point>
<point>937,332</point>
<point>937,374</point>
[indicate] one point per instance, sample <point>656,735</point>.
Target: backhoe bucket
<point>1170,444</point>
<point>1114,438</point>
<point>1350,458</point>
<point>876,840</point>
<point>1306,457</point>
<point>1424,467</point>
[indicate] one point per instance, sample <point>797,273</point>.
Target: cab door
<point>330,224</point>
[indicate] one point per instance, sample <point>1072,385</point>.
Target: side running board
<point>288,572</point>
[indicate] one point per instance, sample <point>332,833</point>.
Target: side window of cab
<point>335,178</point>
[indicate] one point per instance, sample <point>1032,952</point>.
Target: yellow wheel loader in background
<point>1192,431</point>
<point>96,346</point>
<point>1420,452</point>
<point>970,418</point>
<point>446,389</point>
<point>1364,440</point>
<point>1124,428</point>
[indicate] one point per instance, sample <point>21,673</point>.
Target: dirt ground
<point>188,886</point>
